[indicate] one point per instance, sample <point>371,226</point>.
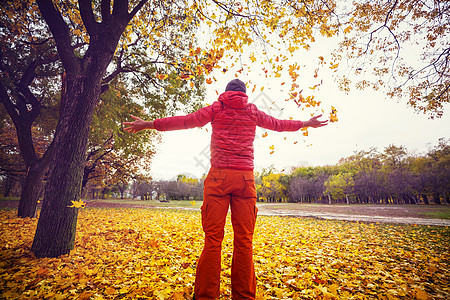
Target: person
<point>229,183</point>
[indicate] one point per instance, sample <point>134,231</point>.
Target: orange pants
<point>225,188</point>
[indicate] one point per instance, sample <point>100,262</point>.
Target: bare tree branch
<point>106,9</point>
<point>61,33</point>
<point>87,15</point>
<point>137,8</point>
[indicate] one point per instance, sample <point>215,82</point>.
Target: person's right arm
<point>137,125</point>
<point>314,122</point>
<point>197,119</point>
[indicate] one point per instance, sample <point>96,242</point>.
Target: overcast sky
<point>366,118</point>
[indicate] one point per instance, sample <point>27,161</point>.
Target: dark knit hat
<point>236,85</point>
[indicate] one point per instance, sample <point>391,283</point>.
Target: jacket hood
<point>234,99</point>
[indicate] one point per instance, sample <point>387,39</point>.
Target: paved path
<point>362,218</point>
<point>266,210</point>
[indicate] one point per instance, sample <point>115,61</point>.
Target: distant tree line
<point>391,177</point>
<point>184,188</point>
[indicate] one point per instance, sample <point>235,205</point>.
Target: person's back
<point>233,132</point>
<point>234,125</point>
<point>230,183</point>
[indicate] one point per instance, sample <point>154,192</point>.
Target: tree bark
<point>436,198</point>
<point>55,233</point>
<point>31,190</point>
<point>425,199</point>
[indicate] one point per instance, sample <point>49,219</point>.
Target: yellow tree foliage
<point>271,188</point>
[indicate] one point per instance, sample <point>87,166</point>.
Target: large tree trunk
<point>8,185</point>
<point>425,199</point>
<point>31,190</point>
<point>436,198</point>
<point>55,233</point>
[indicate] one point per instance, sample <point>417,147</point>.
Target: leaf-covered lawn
<point>151,254</point>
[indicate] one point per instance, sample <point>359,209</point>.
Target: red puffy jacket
<point>234,122</point>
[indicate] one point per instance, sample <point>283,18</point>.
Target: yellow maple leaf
<point>305,131</point>
<point>110,290</point>
<point>333,115</point>
<point>334,66</point>
<point>78,204</point>
<point>162,76</point>
<point>421,294</point>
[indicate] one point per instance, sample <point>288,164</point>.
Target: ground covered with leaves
<point>151,254</point>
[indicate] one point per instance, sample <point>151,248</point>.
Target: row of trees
<point>184,188</point>
<point>392,177</point>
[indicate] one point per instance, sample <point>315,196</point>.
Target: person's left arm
<point>275,124</point>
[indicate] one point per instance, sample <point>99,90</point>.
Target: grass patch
<point>152,203</point>
<point>444,214</point>
<point>9,198</point>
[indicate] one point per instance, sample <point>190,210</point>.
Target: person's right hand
<point>137,125</point>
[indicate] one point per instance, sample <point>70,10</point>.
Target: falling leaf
<point>334,66</point>
<point>304,131</point>
<point>78,204</point>
<point>333,115</point>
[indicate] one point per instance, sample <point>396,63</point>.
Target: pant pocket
<point>249,187</point>
<point>214,184</point>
